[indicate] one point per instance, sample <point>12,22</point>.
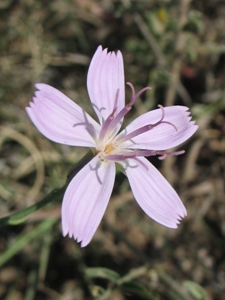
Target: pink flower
<point>61,120</point>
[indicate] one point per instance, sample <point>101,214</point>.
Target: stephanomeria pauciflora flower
<point>61,120</point>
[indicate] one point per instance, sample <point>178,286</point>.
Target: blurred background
<point>177,48</point>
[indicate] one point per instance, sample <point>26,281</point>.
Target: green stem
<point>25,238</point>
<point>18,217</point>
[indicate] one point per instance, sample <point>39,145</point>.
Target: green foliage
<point>196,290</point>
<point>177,48</point>
<point>102,273</point>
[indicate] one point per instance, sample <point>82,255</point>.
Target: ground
<point>177,48</point>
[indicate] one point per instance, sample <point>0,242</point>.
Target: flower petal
<point>163,136</point>
<point>153,192</point>
<point>86,198</point>
<point>60,119</point>
<point>105,79</point>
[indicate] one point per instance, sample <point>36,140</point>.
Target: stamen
<point>146,127</point>
<point>163,112</point>
<point>163,116</point>
<point>135,133</point>
<point>110,118</point>
<point>118,118</point>
<point>116,100</point>
<point>124,157</point>
<point>105,126</point>
<point>134,96</point>
<point>134,154</point>
<point>132,91</point>
<point>128,107</point>
<point>165,154</point>
<point>120,157</point>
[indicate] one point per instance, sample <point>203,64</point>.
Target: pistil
<point>146,128</point>
<point>128,107</point>
<point>108,121</point>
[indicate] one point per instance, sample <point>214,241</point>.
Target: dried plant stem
<point>175,80</point>
<point>162,61</point>
<point>36,160</point>
<point>179,44</point>
<point>175,84</point>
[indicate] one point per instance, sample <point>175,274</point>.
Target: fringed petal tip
<point>153,193</point>
<point>82,243</point>
<point>104,51</point>
<point>174,221</point>
<point>169,221</point>
<point>172,126</point>
<point>180,217</point>
<point>105,83</point>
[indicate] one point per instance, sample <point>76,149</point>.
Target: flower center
<point>109,125</point>
<point>109,148</point>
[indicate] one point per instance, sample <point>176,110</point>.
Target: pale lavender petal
<point>153,192</point>
<point>105,79</point>
<point>86,199</point>
<point>163,136</point>
<point>60,119</point>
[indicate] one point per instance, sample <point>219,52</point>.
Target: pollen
<point>109,148</point>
